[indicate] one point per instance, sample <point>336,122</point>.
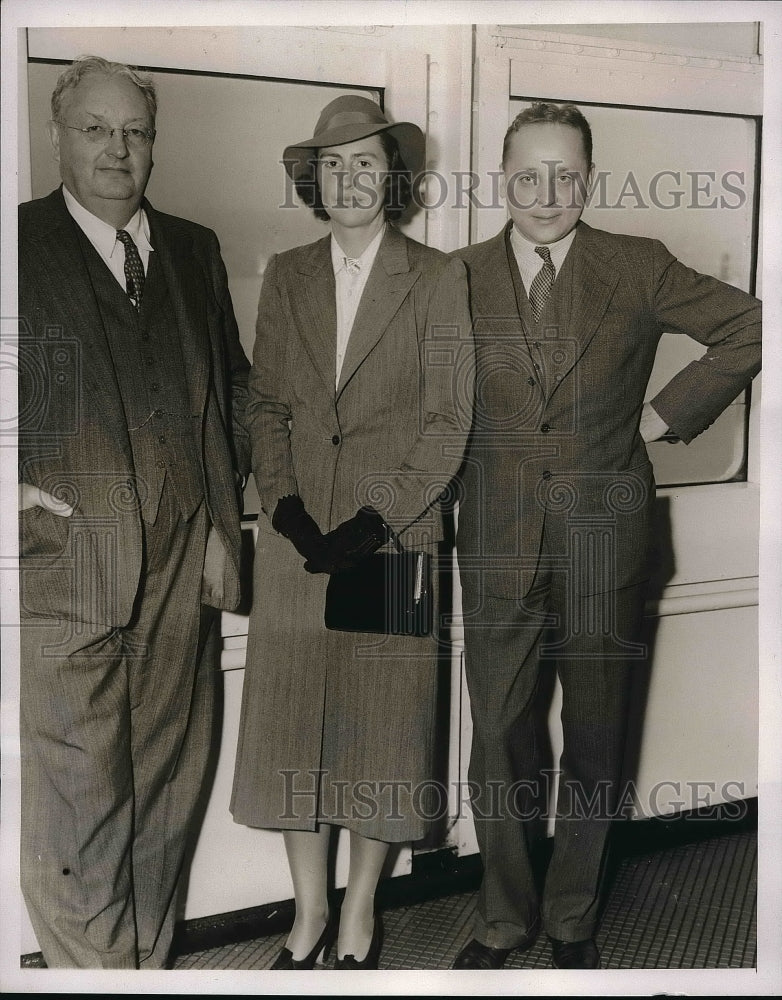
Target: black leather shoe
<point>285,959</point>
<point>480,956</point>
<point>575,954</point>
<point>370,960</point>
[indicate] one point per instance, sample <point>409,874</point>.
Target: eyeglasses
<point>134,138</point>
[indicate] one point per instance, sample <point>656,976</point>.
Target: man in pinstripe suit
<point>555,523</point>
<point>131,456</point>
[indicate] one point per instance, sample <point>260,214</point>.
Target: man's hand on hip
<point>652,424</point>
<point>34,496</point>
<point>213,580</point>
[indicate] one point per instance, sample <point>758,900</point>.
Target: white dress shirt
<point>104,237</point>
<point>530,262</point>
<point>350,282</point>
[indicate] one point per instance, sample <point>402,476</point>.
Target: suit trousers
<point>115,735</point>
<point>592,642</point>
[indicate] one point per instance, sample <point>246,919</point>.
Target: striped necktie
<point>542,283</point>
<point>134,269</point>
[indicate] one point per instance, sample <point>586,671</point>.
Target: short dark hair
<point>83,66</point>
<point>399,185</point>
<point>553,114</point>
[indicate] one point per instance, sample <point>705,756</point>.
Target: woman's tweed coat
<point>339,727</point>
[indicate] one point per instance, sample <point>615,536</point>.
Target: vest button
<point>155,387</point>
<point>537,345</point>
<point>546,475</point>
<point>531,381</point>
<point>335,439</point>
<point>162,439</point>
<point>545,428</point>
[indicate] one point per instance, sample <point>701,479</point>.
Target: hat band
<point>354,118</point>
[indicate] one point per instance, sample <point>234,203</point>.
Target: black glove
<point>291,520</point>
<point>352,541</point>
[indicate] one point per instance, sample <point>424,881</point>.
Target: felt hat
<point>346,119</point>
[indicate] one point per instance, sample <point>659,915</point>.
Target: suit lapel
<point>63,271</point>
<point>493,300</point>
<point>388,285</point>
<point>186,286</point>
<point>315,308</point>
<point>593,280</point>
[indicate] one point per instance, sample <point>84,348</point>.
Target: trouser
<point>593,643</point>
<point>115,735</point>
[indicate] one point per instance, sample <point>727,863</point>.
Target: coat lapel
<point>186,286</point>
<point>594,279</point>
<point>491,292</point>
<point>63,272</point>
<point>315,307</point>
<point>389,283</point>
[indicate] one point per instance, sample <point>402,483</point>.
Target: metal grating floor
<point>690,906</point>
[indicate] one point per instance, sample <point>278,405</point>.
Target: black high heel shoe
<point>285,959</point>
<point>370,961</point>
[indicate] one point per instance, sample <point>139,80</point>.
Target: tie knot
<point>124,237</point>
<point>545,254</point>
<point>352,265</point>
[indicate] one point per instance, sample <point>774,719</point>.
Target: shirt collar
<point>366,259</point>
<point>103,236</point>
<point>524,248</point>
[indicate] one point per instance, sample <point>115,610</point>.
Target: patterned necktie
<point>134,269</point>
<point>542,283</point>
<point>352,265</point>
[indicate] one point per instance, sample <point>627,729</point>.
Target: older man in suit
<point>131,456</point>
<point>556,515</point>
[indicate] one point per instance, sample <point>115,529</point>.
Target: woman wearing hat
<point>359,409</point>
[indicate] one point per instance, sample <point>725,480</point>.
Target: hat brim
<point>409,138</point>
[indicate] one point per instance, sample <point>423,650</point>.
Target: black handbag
<point>388,592</point>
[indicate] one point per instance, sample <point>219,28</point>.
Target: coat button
<point>545,428</point>
<point>530,381</point>
<point>335,439</point>
<point>546,475</point>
